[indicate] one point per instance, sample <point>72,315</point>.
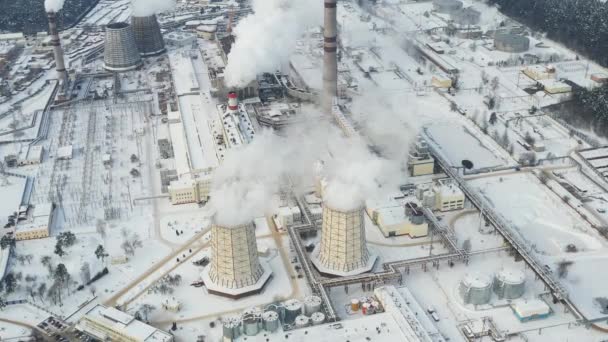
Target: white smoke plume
<point>53,5</point>
<point>144,8</point>
<point>266,38</point>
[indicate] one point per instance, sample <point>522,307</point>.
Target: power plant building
<point>343,249</point>
<point>121,53</point>
<point>447,6</point>
<point>235,270</point>
<point>399,220</point>
<point>148,36</point>
<point>513,43</point>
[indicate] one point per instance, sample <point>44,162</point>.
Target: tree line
<point>580,25</point>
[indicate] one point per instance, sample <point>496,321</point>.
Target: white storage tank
<point>293,308</point>
<point>476,288</point>
<point>509,283</point>
<point>302,321</point>
<point>312,304</point>
<point>317,318</point>
<point>232,327</point>
<point>270,320</point>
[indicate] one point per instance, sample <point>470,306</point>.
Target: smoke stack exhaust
<point>57,50</point>
<point>330,59</point>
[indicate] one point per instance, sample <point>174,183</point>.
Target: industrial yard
<point>268,171</point>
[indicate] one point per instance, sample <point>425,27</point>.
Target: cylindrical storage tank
<point>232,327</point>
<point>365,308</point>
<point>447,6</point>
<point>317,318</point>
<point>302,321</point>
<point>410,208</point>
<point>354,304</point>
<point>476,288</point>
<point>148,36</point>
<point>120,49</point>
<point>509,283</point>
<point>312,304</point>
<point>508,42</point>
<point>293,308</point>
<point>251,325</point>
<point>270,320</point>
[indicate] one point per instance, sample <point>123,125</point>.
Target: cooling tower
<point>57,50</point>
<point>343,249</point>
<point>148,36</point>
<point>121,52</point>
<point>330,57</point>
<point>235,270</point>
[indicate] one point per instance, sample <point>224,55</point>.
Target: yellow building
<point>110,324</point>
<point>448,195</point>
<point>539,72</point>
<point>399,220</point>
<point>441,81</point>
<point>420,161</point>
<point>188,190</point>
<point>38,223</point>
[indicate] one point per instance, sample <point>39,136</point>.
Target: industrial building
<point>447,6</point>
<point>190,190</point>
<point>420,161</point>
<point>110,324</point>
<point>514,43</point>
<point>540,72</point>
<point>399,220</point>
<point>120,49</point>
<point>37,224</point>
<point>528,310</point>
<point>148,36</point>
<point>343,249</point>
<point>235,269</point>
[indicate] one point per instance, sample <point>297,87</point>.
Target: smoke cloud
<point>53,5</point>
<point>245,183</point>
<point>144,8</point>
<point>265,39</point>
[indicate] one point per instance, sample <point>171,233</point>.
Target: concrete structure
<point>62,73</point>
<point>420,161</point>
<point>148,36</point>
<point>330,57</point>
<point>65,152</point>
<point>527,310</point>
<point>207,31</point>
<point>509,283</point>
<point>190,190</point>
<point>110,324</point>
<point>513,43</point>
<point>235,269</point>
<point>447,6</point>
<point>343,249</point>
<point>400,220</point>
<point>476,288</point>
<point>120,50</point>
<point>38,223</point>
<point>172,305</point>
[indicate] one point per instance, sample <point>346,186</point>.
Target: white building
<point>448,195</point>
<point>110,324</point>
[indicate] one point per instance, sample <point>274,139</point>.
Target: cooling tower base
<point>153,54</point>
<point>328,271</point>
<point>121,69</point>
<point>237,293</point>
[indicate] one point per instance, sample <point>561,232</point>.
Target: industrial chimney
<point>62,74</point>
<point>235,270</point>
<point>343,249</point>
<point>233,102</point>
<point>330,61</point>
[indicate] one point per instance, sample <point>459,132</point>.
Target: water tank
<point>251,324</point>
<point>508,42</point>
<point>354,305</point>
<point>270,320</point>
<point>317,318</point>
<point>312,304</point>
<point>293,308</point>
<point>232,327</point>
<point>120,49</point>
<point>476,288</point>
<point>509,283</point>
<point>302,321</point>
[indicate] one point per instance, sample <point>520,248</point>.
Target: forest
<point>592,106</point>
<point>28,15</point>
<point>580,25</point>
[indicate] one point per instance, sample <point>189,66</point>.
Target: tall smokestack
<point>330,61</point>
<point>233,102</point>
<point>57,50</point>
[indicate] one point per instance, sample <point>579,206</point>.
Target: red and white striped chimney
<point>233,102</point>
<point>57,50</point>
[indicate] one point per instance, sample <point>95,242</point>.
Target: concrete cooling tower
<point>343,249</point>
<point>121,52</point>
<point>235,270</point>
<point>148,36</point>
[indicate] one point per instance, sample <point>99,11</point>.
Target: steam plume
<point>53,5</point>
<point>265,39</point>
<point>144,8</point>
